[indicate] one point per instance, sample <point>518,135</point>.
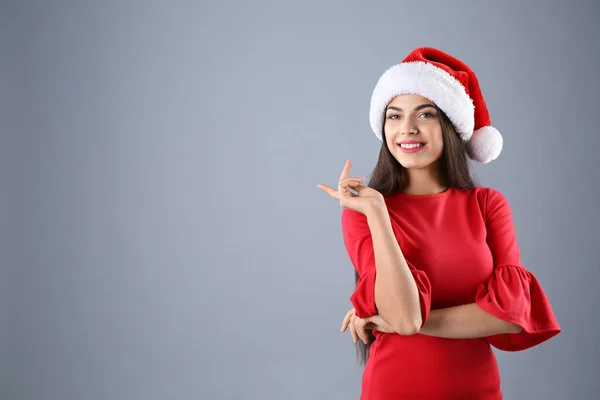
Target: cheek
<point>391,130</point>
<point>438,143</point>
<point>390,144</point>
<point>389,139</point>
<point>390,125</point>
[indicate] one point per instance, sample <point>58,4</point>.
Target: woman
<point>439,279</point>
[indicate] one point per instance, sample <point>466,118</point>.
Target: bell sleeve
<point>359,245</point>
<point>512,293</point>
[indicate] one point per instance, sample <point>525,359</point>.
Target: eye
<point>427,115</point>
<point>393,116</point>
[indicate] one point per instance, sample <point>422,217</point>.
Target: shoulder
<point>481,194</point>
<point>489,195</point>
<point>491,201</point>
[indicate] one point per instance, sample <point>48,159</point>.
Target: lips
<point>410,142</point>
<point>411,146</point>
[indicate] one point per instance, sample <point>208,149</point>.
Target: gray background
<point>163,236</point>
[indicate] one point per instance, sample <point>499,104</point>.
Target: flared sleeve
<point>359,245</point>
<point>513,293</point>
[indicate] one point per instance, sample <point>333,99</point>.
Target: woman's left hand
<point>359,326</point>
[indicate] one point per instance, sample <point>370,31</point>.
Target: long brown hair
<point>389,177</point>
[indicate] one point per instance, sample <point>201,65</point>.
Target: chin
<point>412,163</point>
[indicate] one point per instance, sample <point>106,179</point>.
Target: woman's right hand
<point>363,202</point>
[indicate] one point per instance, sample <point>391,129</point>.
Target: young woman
<point>439,278</point>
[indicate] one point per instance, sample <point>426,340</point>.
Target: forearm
<point>396,293</point>
<point>465,322</point>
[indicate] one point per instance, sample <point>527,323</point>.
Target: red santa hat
<point>452,86</point>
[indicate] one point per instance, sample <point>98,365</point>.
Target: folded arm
<point>460,322</point>
<point>465,322</point>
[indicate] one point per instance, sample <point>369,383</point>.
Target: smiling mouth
<point>410,146</point>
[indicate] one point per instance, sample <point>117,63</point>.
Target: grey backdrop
<point>163,236</point>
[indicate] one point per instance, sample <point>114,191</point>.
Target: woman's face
<point>413,131</point>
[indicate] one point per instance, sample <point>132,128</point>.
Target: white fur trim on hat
<point>485,145</point>
<point>429,81</point>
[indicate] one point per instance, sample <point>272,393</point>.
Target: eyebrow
<point>417,108</point>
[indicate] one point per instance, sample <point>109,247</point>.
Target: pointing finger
<point>346,171</point>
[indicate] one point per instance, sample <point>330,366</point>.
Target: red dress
<point>462,248</point>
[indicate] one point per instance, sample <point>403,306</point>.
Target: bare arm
<point>396,293</point>
<point>465,322</point>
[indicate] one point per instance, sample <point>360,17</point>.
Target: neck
<point>424,181</point>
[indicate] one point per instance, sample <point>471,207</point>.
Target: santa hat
<point>452,86</point>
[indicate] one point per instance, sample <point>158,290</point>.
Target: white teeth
<point>411,146</point>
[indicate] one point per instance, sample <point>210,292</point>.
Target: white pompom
<point>485,144</point>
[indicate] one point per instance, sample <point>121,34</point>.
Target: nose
<point>408,127</point>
